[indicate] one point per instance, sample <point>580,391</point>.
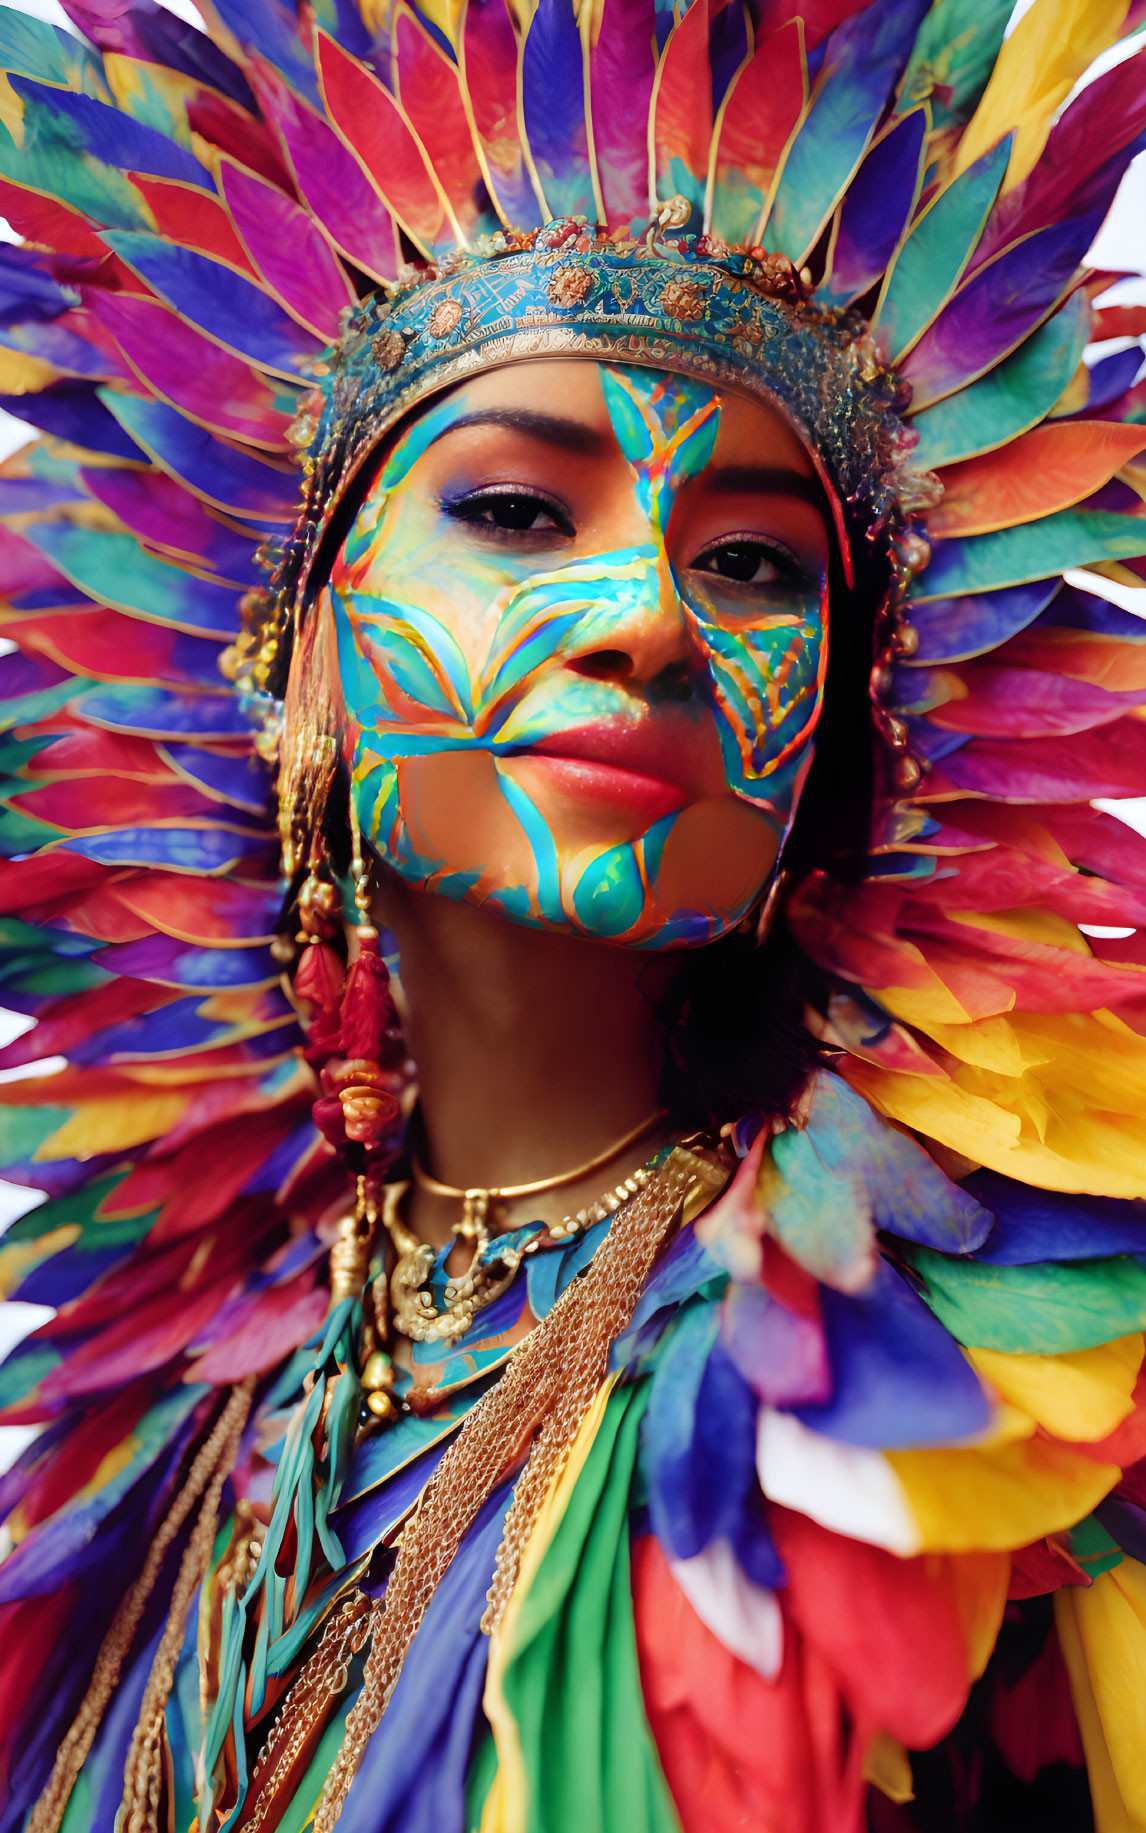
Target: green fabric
<point>572,1679</point>
<point>1093,1547</point>
<point>1008,399</point>
<point>1044,1310</point>
<point>937,250</point>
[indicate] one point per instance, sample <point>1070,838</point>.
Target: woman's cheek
<point>767,686</point>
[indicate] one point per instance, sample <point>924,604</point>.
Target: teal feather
<point>116,570</point>
<point>49,161</point>
<point>928,266</point>
<point>1033,550</point>
<point>953,57</point>
<point>862,65</point>
<point>1051,1308</point>
<point>1010,398</point>
<point>30,47</point>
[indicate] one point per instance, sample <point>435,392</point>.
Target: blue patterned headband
<point>737,319</point>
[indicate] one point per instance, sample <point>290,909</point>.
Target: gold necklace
<point>413,1310</point>
<point>478,1204</point>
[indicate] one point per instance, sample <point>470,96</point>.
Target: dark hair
<point>735,1039</point>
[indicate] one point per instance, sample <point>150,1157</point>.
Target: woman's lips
<point>644,768</point>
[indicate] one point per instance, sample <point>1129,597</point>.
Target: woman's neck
<point>535,1050</point>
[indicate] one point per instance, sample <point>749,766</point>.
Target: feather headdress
<point>202,216</point>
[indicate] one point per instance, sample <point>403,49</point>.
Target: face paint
<point>593,730</point>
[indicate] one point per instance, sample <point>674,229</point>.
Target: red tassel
<point>356,1045</point>
<point>319,981</point>
<point>369,1020</point>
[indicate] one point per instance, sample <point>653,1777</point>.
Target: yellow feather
<point>887,1767</point>
<point>1071,1118</point>
<point>1038,66</point>
<point>1102,1633</point>
<point>24,375</point>
<point>997,1497</point>
<point>114,1124</point>
<point>17,1258</point>
<point>1082,1395</point>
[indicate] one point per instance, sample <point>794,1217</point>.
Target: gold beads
<point>378,1386</point>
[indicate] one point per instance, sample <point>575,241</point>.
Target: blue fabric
<point>413,1774</point>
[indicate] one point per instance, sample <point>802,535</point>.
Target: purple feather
<point>171,849</point>
<point>899,1377</point>
<point>622,65</point>
<point>876,210</point>
<point>235,481</point>
<point>155,36</point>
<point>952,629</point>
<point>728,46</point>
<point>175,963</point>
<point>163,514</point>
<point>166,713</point>
<point>75,412</point>
<point>289,250</point>
<point>330,180</point>
<point>553,109</point>
<point>1075,610</point>
<point>245,782</point>
<point>1080,168</point>
<point>106,134</point>
<point>1110,377</point>
<point>994,311</point>
<point>781,1354</point>
<point>181,365</point>
<point>864,58</point>
<point>220,302</point>
<point>275,31</point>
<point>1034,1225</point>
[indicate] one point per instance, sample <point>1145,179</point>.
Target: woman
<point>671,1357</point>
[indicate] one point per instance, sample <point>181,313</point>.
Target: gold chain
<point>414,1311</point>
<point>211,1466</point>
<point>534,1410</point>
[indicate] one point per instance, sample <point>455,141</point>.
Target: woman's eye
<point>748,563</point>
<point>509,512</point>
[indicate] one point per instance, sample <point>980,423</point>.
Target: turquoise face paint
<point>466,665</point>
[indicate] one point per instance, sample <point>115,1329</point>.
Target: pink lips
<point>636,765</point>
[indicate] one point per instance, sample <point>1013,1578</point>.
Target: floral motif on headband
<point>737,318</point>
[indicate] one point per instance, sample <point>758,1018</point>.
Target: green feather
<point>953,58</point>
<point>927,268</point>
<point>1045,1310</point>
<point>49,161</point>
<point>30,47</point>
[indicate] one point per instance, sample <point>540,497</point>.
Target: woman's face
<point>581,626</point>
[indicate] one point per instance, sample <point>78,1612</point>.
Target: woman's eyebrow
<point>554,429</point>
<point>774,480</point>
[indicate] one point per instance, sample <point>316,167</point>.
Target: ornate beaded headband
<point>734,317</point>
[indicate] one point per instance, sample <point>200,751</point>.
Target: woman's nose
<point>640,636</point>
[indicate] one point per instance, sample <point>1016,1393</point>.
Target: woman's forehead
<point>574,389</point>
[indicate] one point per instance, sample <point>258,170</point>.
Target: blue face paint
<point>460,671</point>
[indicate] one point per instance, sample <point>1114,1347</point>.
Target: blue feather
<point>219,301</point>
<point>238,482</point>
<point>898,1377</point>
